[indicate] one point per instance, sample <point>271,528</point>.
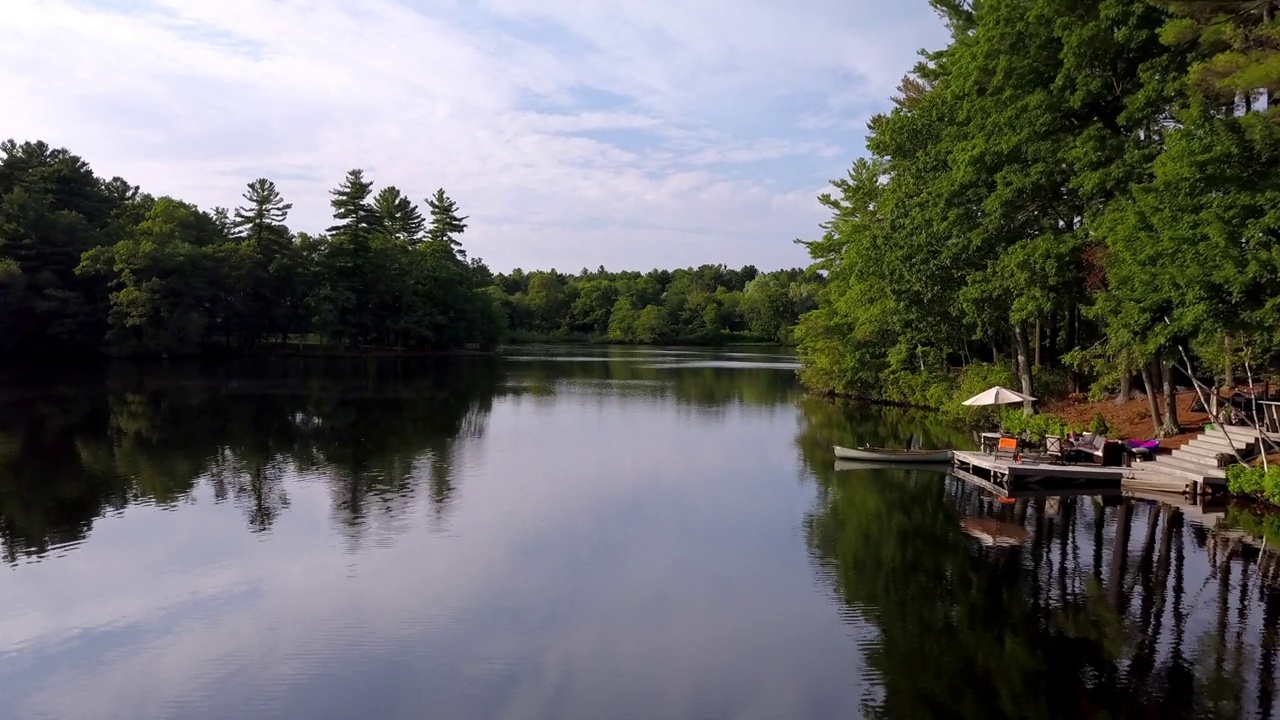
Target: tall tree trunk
<point>1072,342</point>
<point>1228,372</point>
<point>1023,350</point>
<point>1039,343</point>
<point>1126,383</point>
<point>1150,383</point>
<point>1170,424</point>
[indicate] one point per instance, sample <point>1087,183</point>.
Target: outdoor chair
<point>1055,449</point>
<point>1007,448</point>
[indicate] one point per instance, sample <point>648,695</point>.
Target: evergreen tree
<point>357,219</point>
<point>261,221</point>
<point>446,225</point>
<point>400,218</point>
<point>268,283</point>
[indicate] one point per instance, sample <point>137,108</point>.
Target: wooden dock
<point>1013,479</point>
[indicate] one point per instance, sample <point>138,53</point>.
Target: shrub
<point>1036,426</point>
<point>1253,481</point>
<point>1099,425</point>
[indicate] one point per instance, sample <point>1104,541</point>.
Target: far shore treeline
<point>90,265</point>
<point>1067,197</point>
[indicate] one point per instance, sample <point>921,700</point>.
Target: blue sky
<point>575,133</point>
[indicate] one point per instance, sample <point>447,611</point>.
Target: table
<point>988,441</point>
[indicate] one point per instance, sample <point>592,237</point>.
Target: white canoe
<point>895,456</point>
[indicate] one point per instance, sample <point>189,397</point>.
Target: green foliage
<point>1236,45</point>
<point>707,305</point>
<point>91,265</point>
<point>446,223</point>
<point>1081,188</point>
<point>1036,426</point>
<point>1098,426</point>
<point>163,281</point>
<point>1255,482</point>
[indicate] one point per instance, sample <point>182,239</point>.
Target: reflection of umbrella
<point>994,532</point>
<point>997,396</point>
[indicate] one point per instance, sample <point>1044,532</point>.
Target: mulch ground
<point>1131,420</point>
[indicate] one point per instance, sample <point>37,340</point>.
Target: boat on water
<point>894,456</point>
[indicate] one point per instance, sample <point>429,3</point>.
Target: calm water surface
<point>578,533</point>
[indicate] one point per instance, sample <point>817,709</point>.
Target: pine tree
<point>350,202</point>
<point>268,284</point>
<point>348,273</point>
<point>445,223</point>
<point>400,218</point>
<point>261,221</point>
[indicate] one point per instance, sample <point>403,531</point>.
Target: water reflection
<point>1041,607</point>
<point>589,532</point>
<point>376,432</point>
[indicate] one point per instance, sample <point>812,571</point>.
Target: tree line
<point>1076,191</point>
<point>92,265</point>
<point>89,264</point>
<point>709,304</point>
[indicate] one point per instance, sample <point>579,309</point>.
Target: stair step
<point>1212,447</point>
<point>1239,437</point>
<point>1188,467</point>
<point>1206,447</point>
<point>1218,441</point>
<point>1205,456</point>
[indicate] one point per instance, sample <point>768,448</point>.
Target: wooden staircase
<point>1197,460</point>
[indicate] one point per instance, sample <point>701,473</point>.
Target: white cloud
<point>703,146</point>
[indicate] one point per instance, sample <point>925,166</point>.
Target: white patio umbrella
<point>997,396</point>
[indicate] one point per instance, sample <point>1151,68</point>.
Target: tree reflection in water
<point>385,435</point>
<point>1042,608</point>
<point>376,431</point>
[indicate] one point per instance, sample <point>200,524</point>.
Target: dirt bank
<point>1132,420</point>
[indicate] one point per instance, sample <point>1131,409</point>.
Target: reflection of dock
<point>1204,510</point>
<point>1011,479</point>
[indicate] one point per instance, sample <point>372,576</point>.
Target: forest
<point>1075,196</point>
<point>707,305</point>
<point>90,265</point>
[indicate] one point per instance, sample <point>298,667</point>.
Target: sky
<point>573,133</point>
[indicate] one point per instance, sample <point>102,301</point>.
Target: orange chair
<point>1007,447</point>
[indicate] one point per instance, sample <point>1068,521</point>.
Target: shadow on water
<point>1044,607</point>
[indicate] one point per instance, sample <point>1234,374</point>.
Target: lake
<point>579,533</point>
